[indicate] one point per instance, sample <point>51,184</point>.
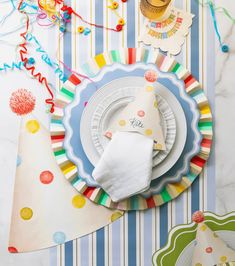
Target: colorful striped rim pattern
<point>131,56</point>
<point>182,235</point>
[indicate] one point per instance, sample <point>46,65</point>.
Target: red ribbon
<point>23,52</point>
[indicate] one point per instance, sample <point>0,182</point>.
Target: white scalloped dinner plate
<point>112,105</point>
<point>91,129</point>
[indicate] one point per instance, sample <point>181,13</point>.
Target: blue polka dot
<point>18,161</point>
<point>59,237</point>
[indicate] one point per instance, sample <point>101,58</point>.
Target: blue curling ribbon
<point>46,58</point>
<point>224,47</point>
<point>12,66</point>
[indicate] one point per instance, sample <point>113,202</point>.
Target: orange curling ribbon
<point>23,52</point>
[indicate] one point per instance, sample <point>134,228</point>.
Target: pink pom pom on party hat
<point>198,217</point>
<point>150,76</point>
<point>22,102</point>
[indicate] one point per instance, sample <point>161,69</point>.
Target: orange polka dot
<point>148,132</point>
<point>122,123</point>
<point>78,201</point>
<point>32,126</point>
<point>26,213</point>
<point>46,177</point>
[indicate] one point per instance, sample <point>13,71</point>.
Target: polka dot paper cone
<point>46,209</point>
<point>210,249</point>
<point>142,115</point>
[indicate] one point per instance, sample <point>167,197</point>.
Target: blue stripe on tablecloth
<point>147,237</point>
<point>131,34</point>
<point>195,71</point>
<point>131,39</point>
<point>99,47</point>
<point>131,238</point>
<point>67,44</point>
<point>210,85</point>
<point>100,252</point>
<point>116,241</point>
<point>99,33</point>
<point>163,224</point>
<point>68,257</point>
<point>179,210</point>
<point>84,251</point>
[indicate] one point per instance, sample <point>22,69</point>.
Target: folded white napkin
<point>125,167</point>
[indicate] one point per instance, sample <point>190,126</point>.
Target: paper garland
<point>131,56</point>
<point>168,35</point>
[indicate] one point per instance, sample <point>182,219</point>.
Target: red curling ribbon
<point>23,53</point>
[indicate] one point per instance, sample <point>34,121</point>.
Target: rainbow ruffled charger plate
<point>75,95</point>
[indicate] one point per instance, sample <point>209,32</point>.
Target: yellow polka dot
<point>26,213</point>
<point>122,123</point>
<point>78,201</point>
<point>155,104</point>
<point>149,88</point>
<point>32,126</point>
<point>148,132</point>
<point>203,227</point>
<point>223,259</point>
<point>116,216</point>
<point>198,264</point>
<point>157,146</point>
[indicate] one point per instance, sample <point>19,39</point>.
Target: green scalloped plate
<point>181,240</point>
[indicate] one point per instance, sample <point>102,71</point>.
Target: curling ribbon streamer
<point>23,51</point>
<point>12,66</point>
<point>45,57</point>
<point>213,8</point>
<point>224,47</point>
<point>70,11</point>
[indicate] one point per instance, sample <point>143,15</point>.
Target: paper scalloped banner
<point>164,64</point>
<point>168,35</point>
<point>47,210</point>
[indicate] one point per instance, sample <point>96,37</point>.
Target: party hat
<point>47,210</point>
<point>210,250</point>
<point>142,115</point>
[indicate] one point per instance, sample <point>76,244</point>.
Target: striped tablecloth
<point>134,238</point>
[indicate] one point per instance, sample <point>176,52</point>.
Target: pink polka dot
<point>85,104</point>
<point>150,76</point>
<point>12,250</point>
<point>46,177</point>
<point>209,250</point>
<point>141,113</point>
<point>108,135</point>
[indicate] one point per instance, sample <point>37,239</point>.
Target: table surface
<point>9,128</point>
